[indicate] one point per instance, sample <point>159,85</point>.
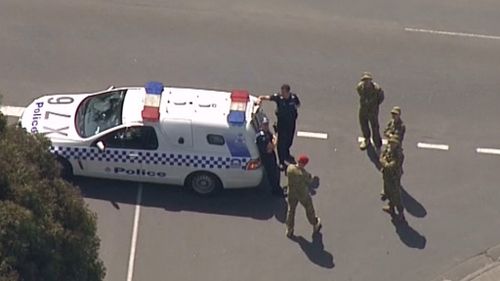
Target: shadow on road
<point>315,250</point>
<point>257,203</point>
<point>408,235</point>
<point>373,156</point>
<point>412,205</point>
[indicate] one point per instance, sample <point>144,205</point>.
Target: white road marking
<point>135,228</point>
<point>460,34</point>
<point>322,136</point>
<point>360,139</point>
<point>433,146</point>
<point>488,150</point>
<point>14,111</point>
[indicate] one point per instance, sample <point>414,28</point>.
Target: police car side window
<point>215,139</point>
<point>138,137</point>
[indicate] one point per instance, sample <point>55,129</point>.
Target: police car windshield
<point>99,113</point>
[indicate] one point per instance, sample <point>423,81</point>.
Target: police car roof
<point>198,105</point>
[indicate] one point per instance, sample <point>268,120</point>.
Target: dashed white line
<point>488,150</point>
<point>14,111</point>
<point>360,139</point>
<point>322,136</point>
<point>449,33</point>
<point>135,228</point>
<point>433,146</point>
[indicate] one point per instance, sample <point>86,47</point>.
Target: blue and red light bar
<point>238,108</point>
<point>151,110</point>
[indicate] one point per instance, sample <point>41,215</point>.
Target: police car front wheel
<point>204,183</point>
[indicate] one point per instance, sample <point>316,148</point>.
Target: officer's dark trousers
<point>272,172</point>
<point>369,119</point>
<point>285,141</point>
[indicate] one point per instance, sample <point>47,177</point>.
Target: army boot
<point>317,227</point>
<point>389,209</point>
<point>363,145</point>
<point>289,233</point>
<point>383,197</point>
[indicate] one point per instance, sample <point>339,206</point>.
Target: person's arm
<point>387,129</point>
<point>381,95</point>
<point>297,101</point>
<point>266,98</point>
<point>403,131</point>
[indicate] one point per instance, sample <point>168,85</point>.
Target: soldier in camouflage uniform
<point>299,181</point>
<point>390,160</point>
<point>371,96</point>
<point>396,125</point>
<point>396,128</point>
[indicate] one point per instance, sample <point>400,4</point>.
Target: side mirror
<point>100,146</point>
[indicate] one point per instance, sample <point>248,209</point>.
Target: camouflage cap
<point>396,110</point>
<point>366,76</point>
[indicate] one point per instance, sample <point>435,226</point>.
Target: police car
<point>203,139</point>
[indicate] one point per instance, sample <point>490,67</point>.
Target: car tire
<point>66,168</point>
<point>204,183</point>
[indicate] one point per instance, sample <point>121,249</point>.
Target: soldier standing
<point>299,181</point>
<point>390,161</point>
<point>396,126</point>
<point>266,143</point>
<point>371,96</point>
<point>287,104</point>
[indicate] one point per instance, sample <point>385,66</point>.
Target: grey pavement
<point>447,87</point>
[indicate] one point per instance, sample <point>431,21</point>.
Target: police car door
<point>123,154</point>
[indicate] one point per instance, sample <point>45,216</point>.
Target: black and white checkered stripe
<point>150,157</point>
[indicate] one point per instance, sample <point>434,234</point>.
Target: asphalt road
<point>447,86</point>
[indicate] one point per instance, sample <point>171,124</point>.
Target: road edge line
<point>313,135</point>
<point>450,33</point>
<point>135,229</point>
<point>433,146</point>
<point>13,111</point>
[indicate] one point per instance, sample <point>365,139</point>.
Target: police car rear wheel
<point>204,183</point>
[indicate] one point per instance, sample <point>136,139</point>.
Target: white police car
<point>203,139</point>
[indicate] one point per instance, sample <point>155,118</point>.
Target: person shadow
<point>412,205</point>
<point>315,250</point>
<point>409,236</point>
<point>374,156</point>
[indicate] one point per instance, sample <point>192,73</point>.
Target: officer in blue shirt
<point>266,143</point>
<point>287,104</point>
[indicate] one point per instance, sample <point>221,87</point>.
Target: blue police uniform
<point>286,113</point>
<point>268,160</point>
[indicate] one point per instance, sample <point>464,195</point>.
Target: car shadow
<point>409,236</point>
<point>315,250</point>
<point>256,203</point>
<point>373,156</point>
<point>412,205</point>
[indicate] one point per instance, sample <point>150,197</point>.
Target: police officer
<point>371,96</point>
<point>287,104</point>
<point>299,181</point>
<point>396,126</point>
<point>390,161</point>
<point>266,143</point>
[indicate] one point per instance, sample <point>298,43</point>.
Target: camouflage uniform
<point>396,127</point>
<point>369,101</point>
<point>299,181</point>
<point>390,161</point>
